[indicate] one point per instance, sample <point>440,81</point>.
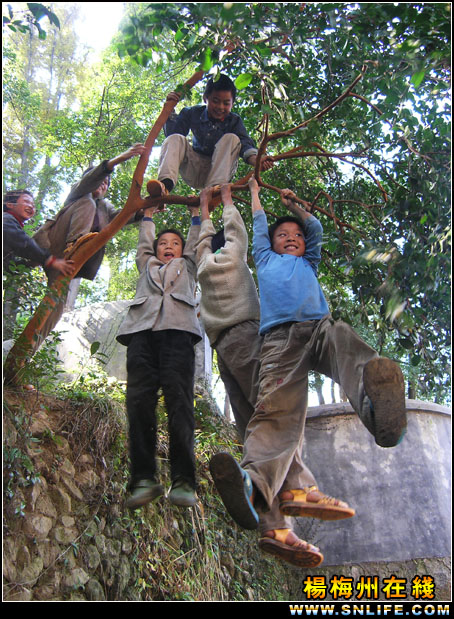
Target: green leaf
<point>207,62</point>
<point>94,348</point>
<point>417,78</point>
<point>243,80</point>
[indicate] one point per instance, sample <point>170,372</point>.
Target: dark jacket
<point>18,247</point>
<point>206,132</point>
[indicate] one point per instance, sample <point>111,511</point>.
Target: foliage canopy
<point>377,162</point>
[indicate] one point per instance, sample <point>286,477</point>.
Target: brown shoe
<point>291,549</point>
<point>156,189</point>
<point>385,387</point>
<point>310,502</point>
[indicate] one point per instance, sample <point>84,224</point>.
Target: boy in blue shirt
<point>299,336</point>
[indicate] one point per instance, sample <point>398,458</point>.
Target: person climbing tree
<point>219,139</point>
<point>86,210</point>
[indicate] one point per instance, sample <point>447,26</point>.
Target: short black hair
<point>170,231</point>
<point>223,83</point>
<point>13,196</point>
<point>92,167</point>
<point>282,220</point>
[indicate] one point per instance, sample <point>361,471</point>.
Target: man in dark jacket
<point>20,249</point>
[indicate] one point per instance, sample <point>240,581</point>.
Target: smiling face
<point>23,208</point>
<point>288,238</point>
<point>219,104</point>
<point>101,191</point>
<point>169,246</point>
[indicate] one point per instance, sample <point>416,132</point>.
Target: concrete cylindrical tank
<point>402,495</point>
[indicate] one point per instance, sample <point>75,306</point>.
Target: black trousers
<point>161,359</point>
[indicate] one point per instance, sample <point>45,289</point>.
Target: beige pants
<point>238,353</point>
<point>198,171</point>
<point>274,437</point>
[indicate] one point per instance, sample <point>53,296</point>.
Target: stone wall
<point>68,536</point>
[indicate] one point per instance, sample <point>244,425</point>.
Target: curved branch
<point>87,247</point>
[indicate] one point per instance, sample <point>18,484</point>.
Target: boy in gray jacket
<point>160,331</point>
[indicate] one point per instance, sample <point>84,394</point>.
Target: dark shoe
<point>385,387</point>
<point>235,487</point>
<point>144,492</point>
<point>182,494</point>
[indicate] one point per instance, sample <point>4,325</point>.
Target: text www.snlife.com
<point>371,610</point>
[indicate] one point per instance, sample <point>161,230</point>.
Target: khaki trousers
<point>198,171</point>
<point>238,352</point>
<point>274,437</point>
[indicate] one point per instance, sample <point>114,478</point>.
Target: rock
<point>77,578</point>
<point>37,526</point>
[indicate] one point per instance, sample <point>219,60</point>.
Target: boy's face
<point>169,247</point>
<point>289,239</point>
<point>101,191</point>
<point>24,208</point>
<point>219,104</point>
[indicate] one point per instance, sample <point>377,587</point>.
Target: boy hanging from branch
<point>300,335</point>
<point>230,312</point>
<point>160,331</point>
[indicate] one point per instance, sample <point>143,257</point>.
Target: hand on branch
<point>254,189</point>
<point>135,150</point>
<point>173,96</point>
<point>288,197</point>
<point>266,163</point>
<point>253,185</point>
<point>226,194</point>
<point>151,210</point>
<point>290,200</point>
<point>205,197</point>
<point>194,209</point>
<point>65,267</point>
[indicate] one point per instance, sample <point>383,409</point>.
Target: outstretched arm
<point>205,197</point>
<point>254,189</point>
<point>288,199</point>
<point>136,150</point>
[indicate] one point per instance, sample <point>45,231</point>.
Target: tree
<point>292,60</point>
<point>374,165</point>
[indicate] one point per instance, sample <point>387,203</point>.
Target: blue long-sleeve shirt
<point>207,132</point>
<point>288,285</point>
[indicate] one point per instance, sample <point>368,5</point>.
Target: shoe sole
<point>181,501</point>
<point>230,483</point>
<point>384,384</point>
<point>295,556</point>
<point>322,512</point>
